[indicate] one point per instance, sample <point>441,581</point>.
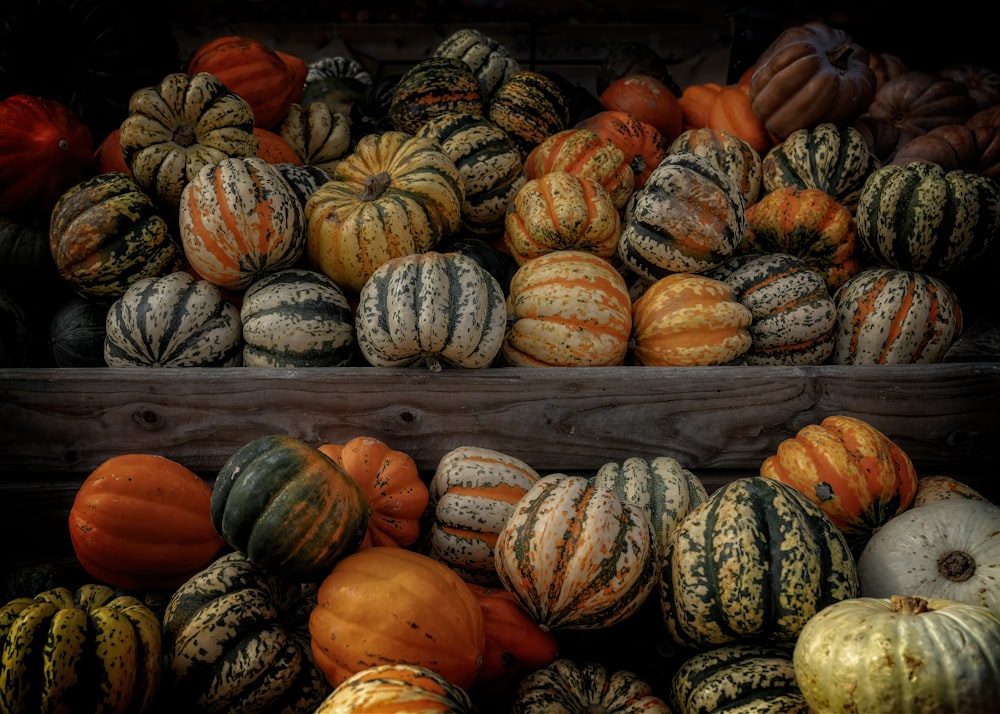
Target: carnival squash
<point>396,687</point>
<point>643,145</point>
<point>433,86</point>
<point>585,154</point>
<point>316,135</point>
<point>528,106</point>
<point>734,155</point>
<point>647,99</point>
<point>568,685</point>
<point>490,61</point>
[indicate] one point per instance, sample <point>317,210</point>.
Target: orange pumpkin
<point>142,521</point>
<point>696,102</point>
<point>642,143</point>
<point>392,485</point>
<point>731,111</point>
<point>647,99</point>
<point>392,605</point>
<point>108,155</point>
<point>583,153</point>
<point>857,475</point>
<point>273,148</point>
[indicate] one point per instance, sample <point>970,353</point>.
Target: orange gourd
<point>108,155</point>
<point>392,485</point>
<point>696,102</point>
<point>731,111</point>
<point>142,521</point>
<point>647,99</point>
<point>642,143</point>
<point>273,148</point>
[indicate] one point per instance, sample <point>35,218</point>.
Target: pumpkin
<point>568,685</point>
<point>922,218</point>
<point>643,145</point>
<point>982,82</point>
<point>269,80</point>
<point>567,308</point>
<point>239,220</point>
<point>174,320</point>
<point>488,163</point>
<point>689,217</point>
<point>758,676</point>
<point>434,86</point>
<point>585,154</point>
<point>490,61</point>
<point>236,641</point>
<point>561,211</point>
<point>889,316</point>
<point>902,654</point>
<point>732,111</point>
<point>288,507</point>
<point>859,477</point>
<point>471,494</point>
<point>392,605</point>
<point>754,562</point>
<point>734,155</point>
<point>576,555</point>
<point>273,148</point>
<point>84,649</point>
<point>647,99</point>
<point>430,309</point>
<point>794,315</point>
<point>179,126</point>
<point>76,333</point>
<point>391,483</point>
<point>318,136</point>
<point>106,234</point>
<point>395,195</point>
<point>954,147</point>
<point>390,687</point>
<point>810,74</point>
<point>696,103</point>
<point>108,154</point>
<point>834,159</point>
<point>528,106</point>
<point>629,58</point>
<point>947,549</point>
<point>886,66</point>
<point>44,150</point>
<point>809,224</point>
<point>685,319</point>
<point>939,487</point>
<point>171,541</point>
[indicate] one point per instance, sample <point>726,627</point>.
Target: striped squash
<point>174,320</point>
<point>754,562</point>
<point>86,649</point>
<point>922,218</point>
<point>567,308</point>
<point>317,135</point>
<point>396,687</point>
<point>832,158</point>
<point>568,685</point>
<point>529,106</point>
<point>239,220</point>
<point>490,61</point>
<point>889,316</point>
<point>731,153</point>
<point>472,494</point>
<point>236,641</point>
<point>434,86</point>
<point>296,318</point>
<point>106,233</point>
<point>688,218</point>
<point>584,153</point>
<point>430,310</point>
<point>794,316</point>
<point>575,555</point>
<point>487,161</point>
<point>303,178</point>
<point>642,143</point>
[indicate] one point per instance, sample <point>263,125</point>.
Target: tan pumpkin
<point>584,153</point>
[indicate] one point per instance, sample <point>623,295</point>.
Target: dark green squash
<point>628,58</point>
<point>432,87</point>
<point>26,264</point>
<point>77,332</point>
<point>530,107</point>
<point>15,331</point>
<point>370,114</point>
<point>495,261</point>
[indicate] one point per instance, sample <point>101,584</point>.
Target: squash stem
<point>908,605</point>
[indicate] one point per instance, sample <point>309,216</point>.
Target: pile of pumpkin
<point>313,579</point>
<point>257,210</point>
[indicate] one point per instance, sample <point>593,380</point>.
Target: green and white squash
<point>296,318</point>
<point>319,136</point>
<point>303,178</point>
<point>731,153</point>
<point>491,62</point>
<point>173,321</point>
<point>567,685</point>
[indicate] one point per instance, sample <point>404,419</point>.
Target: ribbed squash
<point>105,234</point>
<point>642,143</point>
<point>809,224</point>
<point>26,261</point>
<point>794,315</point>
<point>296,318</point>
<point>529,106</point>
<point>561,211</point>
<point>686,319</point>
<point>942,487</point>
<point>239,220</point>
<point>490,61</point>
<point>434,86</point>
<point>489,164</point>
<point>753,562</point>
<point>288,507</point>
<point>317,135</point>
<point>731,153</point>
<point>430,310</point>
<point>688,218</point>
<point>920,217</point>
<point>236,641</point>
<point>888,316</point>
<point>471,494</point>
<point>76,333</point>
<point>303,178</point>
<point>584,153</point>
<point>576,555</point>
<point>567,308</point>
<point>393,605</point>
<point>856,474</point>
<point>174,320</point>
<point>396,687</point>
<point>568,685</point>
<point>179,126</point>
<point>85,649</point>
<point>395,195</point>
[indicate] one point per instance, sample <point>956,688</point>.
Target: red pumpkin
<point>273,148</point>
<point>108,155</point>
<point>647,99</point>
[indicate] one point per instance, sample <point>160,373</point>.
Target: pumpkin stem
<point>184,135</point>
<point>375,186</point>
<point>957,566</point>
<point>839,55</point>
<point>908,605</point>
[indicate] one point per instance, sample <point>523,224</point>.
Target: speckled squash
<point>303,178</point>
<point>490,61</point>
<point>568,685</point>
<point>889,316</point>
<point>434,86</point>
<point>317,135</point>
<point>686,319</point>
<point>941,487</point>
<point>576,555</point>
<point>584,153</point>
<point>731,153</point>
<point>396,687</point>
<point>530,107</point>
<point>688,218</point>
<point>567,308</point>
<point>174,320</point>
<point>642,143</point>
<point>472,493</point>
<point>754,562</point>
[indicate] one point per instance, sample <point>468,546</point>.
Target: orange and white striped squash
<point>576,555</point>
<point>396,687</point>
<point>239,220</point>
<point>568,308</point>
<point>731,153</point>
<point>584,153</point>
